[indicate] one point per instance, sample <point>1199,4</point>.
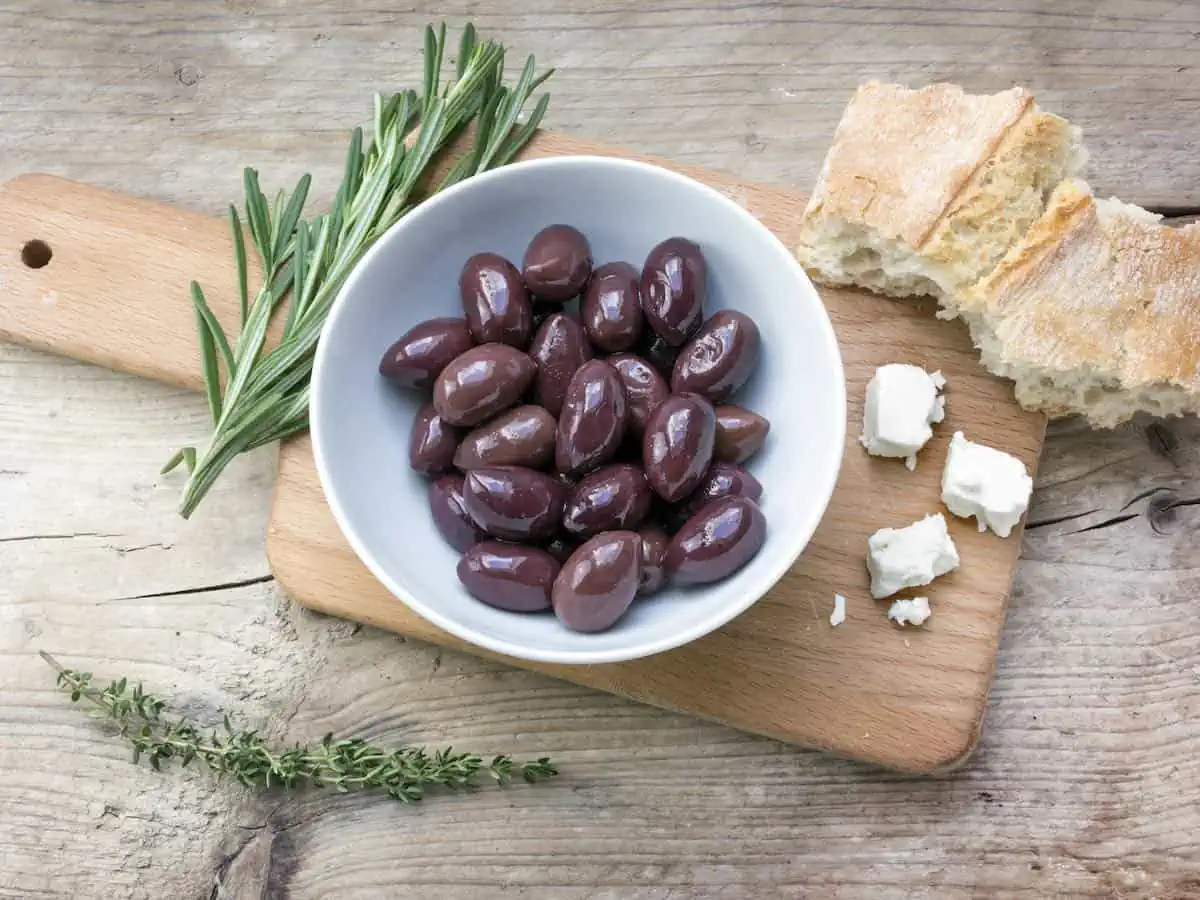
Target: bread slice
<point>1095,311</point>
<point>923,191</point>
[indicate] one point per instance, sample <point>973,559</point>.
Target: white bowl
<point>360,423</point>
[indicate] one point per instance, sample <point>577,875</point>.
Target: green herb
<point>265,394</point>
<point>345,765</point>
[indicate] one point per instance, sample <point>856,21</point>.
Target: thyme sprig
<point>265,394</point>
<point>244,755</point>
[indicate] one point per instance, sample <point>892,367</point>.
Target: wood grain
<point>1085,783</point>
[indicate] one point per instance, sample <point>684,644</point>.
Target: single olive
<point>674,288</point>
<point>715,542</point>
<point>495,301</point>
<point>596,585</point>
<point>719,359</point>
<point>509,576</point>
<point>678,445</point>
<point>523,436</point>
<point>513,503</point>
<point>418,357</point>
<point>482,382</point>
<point>740,433</point>
<point>559,348</point>
<point>432,443</point>
<point>592,421</point>
<point>557,263</point>
<point>611,498</point>
<point>612,307</point>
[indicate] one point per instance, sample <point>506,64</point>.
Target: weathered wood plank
<point>171,99</point>
<point>1086,780</point>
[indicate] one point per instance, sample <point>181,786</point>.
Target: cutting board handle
<point>104,277</point>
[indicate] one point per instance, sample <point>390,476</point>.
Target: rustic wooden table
<point>1087,780</point>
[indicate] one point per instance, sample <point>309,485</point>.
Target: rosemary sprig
<point>344,765</point>
<point>265,394</point>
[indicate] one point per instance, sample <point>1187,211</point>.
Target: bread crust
<point>1096,288</point>
<point>900,157</point>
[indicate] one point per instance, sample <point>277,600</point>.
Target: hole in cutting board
<point>36,254</point>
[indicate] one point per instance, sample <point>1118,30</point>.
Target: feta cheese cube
<point>902,403</point>
<point>909,612</point>
<point>838,616</point>
<point>989,484</point>
<point>911,556</point>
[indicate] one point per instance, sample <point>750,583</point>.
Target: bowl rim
<point>827,479</point>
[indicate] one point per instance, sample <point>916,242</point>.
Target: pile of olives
<point>581,459</point>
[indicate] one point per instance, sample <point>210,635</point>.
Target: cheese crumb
<point>902,403</point>
<point>911,556</point>
<point>910,612</point>
<point>989,484</point>
<point>838,616</point>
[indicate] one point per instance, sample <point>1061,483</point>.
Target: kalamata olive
<point>557,263</point>
<point>513,503</point>
<point>509,576</point>
<point>482,382</point>
<point>719,359</point>
<point>653,558</point>
<point>609,499</point>
<point>722,480</point>
<point>559,348</point>
<point>740,433</point>
<point>674,288</point>
<point>612,307</point>
<point>658,353</point>
<point>644,388</point>
<point>523,436</point>
<point>717,541</point>
<point>592,421</point>
<point>561,547</point>
<point>495,301</point>
<point>599,581</point>
<point>431,443</point>
<point>450,514</point>
<point>678,445</point>
<point>416,360</point>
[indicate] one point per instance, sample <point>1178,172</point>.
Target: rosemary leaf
<point>239,255</point>
<point>286,224</point>
<point>259,217</point>
<point>213,326</point>
<point>466,46</point>
<point>208,356</point>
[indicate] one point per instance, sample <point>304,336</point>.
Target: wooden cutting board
<point>115,292</point>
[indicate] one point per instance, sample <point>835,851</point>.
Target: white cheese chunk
<point>989,484</point>
<point>902,403</point>
<point>838,616</point>
<point>909,612</point>
<point>910,557</point>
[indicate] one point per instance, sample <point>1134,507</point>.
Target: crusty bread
<point>923,191</point>
<point>1095,311</point>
